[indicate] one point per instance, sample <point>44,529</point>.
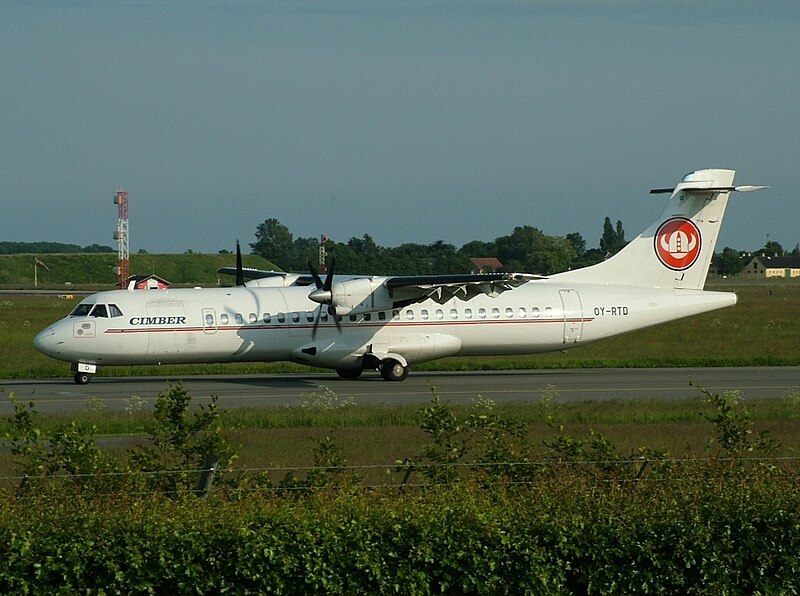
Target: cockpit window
<point>96,310</point>
<point>99,310</point>
<point>81,310</point>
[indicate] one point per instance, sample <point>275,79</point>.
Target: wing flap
<point>441,288</point>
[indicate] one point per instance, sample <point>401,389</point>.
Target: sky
<point>409,121</point>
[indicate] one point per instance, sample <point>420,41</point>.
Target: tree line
<point>16,248</point>
<point>525,249</point>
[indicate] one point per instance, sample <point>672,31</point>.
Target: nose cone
<point>47,342</point>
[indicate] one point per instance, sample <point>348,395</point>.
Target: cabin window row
<point>410,315</point>
<point>481,313</point>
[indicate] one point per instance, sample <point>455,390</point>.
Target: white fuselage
<point>275,324</point>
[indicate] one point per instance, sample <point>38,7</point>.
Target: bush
<point>584,520</point>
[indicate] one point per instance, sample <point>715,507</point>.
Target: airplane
<point>352,323</point>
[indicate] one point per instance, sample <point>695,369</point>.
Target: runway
<point>53,396</point>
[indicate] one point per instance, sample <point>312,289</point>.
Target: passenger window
<point>367,316</point>
<point>423,314</point>
<point>453,313</point>
<point>100,311</point>
<point>281,317</point>
<point>395,314</point>
<point>495,313</point>
<point>482,313</point>
<point>267,317</point>
<point>410,315</point>
<point>352,318</point>
<point>238,318</point>
<point>381,316</point>
<point>114,311</point>
<point>223,318</point>
<point>535,311</point>
<point>522,313</point>
<point>295,317</point>
<point>548,311</point>
<point>309,316</point>
<point>509,312</point>
<point>253,317</point>
<point>467,313</point>
<point>209,320</point>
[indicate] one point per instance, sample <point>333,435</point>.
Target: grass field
<point>633,497</point>
<point>96,271</point>
<point>761,329</point>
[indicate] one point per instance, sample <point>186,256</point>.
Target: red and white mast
<point>121,236</point>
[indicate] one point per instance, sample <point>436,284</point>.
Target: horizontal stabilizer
<point>701,189</point>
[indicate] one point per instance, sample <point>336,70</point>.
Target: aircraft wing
<point>441,288</point>
<point>249,273</point>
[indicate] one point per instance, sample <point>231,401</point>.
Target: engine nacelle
<point>330,353</point>
<point>361,295</point>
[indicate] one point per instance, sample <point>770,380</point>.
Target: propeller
<point>239,269</point>
<point>323,295</point>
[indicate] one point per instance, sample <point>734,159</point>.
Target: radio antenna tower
<point>121,236</point>
<point>323,265</point>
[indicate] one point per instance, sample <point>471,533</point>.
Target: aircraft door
<point>573,315</point>
<point>209,321</point>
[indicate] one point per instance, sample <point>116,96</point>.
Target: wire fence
<point>610,471</point>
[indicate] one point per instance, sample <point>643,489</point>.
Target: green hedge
<point>722,535</point>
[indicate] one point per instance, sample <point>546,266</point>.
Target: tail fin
<point>676,251</point>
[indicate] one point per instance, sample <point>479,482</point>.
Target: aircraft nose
<point>47,342</point>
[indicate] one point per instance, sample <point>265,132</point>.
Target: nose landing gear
<point>82,378</point>
<point>83,372</point>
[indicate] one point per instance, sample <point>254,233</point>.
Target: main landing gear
<point>390,369</point>
<point>350,374</point>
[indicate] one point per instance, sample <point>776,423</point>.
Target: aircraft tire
<point>349,373</point>
<point>392,370</point>
<point>82,378</point>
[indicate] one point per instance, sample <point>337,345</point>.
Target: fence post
<point>409,469</point>
<point>207,475</point>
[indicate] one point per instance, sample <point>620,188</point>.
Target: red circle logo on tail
<point>678,243</point>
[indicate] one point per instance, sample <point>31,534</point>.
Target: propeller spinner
<point>323,295</point>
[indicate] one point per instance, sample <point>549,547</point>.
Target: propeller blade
<point>316,322</point>
<point>329,277</point>
<point>239,271</point>
<point>315,275</point>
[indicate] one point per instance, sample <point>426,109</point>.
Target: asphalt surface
<point>276,391</point>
